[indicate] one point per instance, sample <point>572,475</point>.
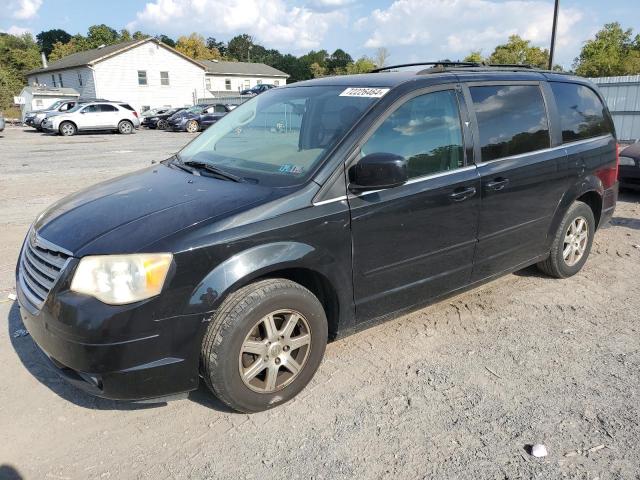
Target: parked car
<point>311,212</point>
<point>120,117</point>
<point>629,170</point>
<point>34,118</point>
<point>257,90</point>
<point>159,120</point>
<point>196,118</point>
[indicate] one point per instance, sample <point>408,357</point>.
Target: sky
<point>411,30</point>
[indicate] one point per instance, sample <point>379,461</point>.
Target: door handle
<point>460,195</point>
<point>497,184</point>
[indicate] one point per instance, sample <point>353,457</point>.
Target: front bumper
<point>177,126</point>
<point>629,176</point>
<point>118,352</point>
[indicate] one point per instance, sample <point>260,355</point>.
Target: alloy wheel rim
<point>575,241</point>
<point>275,351</point>
<point>191,127</point>
<point>67,129</point>
<point>125,128</point>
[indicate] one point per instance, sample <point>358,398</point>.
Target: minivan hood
<point>125,214</point>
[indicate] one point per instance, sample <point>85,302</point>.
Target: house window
<point>207,82</point>
<point>79,78</point>
<point>247,83</point>
<point>142,77</point>
<point>38,102</point>
<point>60,78</point>
<point>276,83</point>
<point>227,84</point>
<point>164,78</point>
<point>259,82</point>
<point>53,79</point>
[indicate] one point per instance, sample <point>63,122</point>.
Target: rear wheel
<point>192,126</point>
<point>264,345</point>
<point>125,127</point>
<point>572,242</point>
<point>162,124</point>
<point>67,129</point>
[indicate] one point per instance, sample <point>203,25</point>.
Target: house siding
<point>69,79</point>
<point>117,78</point>
<point>238,82</point>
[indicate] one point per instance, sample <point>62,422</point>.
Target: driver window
<point>426,131</point>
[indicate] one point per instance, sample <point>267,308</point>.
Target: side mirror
<point>378,171</point>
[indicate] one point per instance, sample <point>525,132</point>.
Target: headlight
<point>630,162</point>
<point>121,279</point>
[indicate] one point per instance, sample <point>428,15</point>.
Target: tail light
<point>135,113</point>
<point>609,175</point>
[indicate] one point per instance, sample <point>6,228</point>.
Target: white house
<point>229,77</point>
<point>40,97</point>
<point>147,73</point>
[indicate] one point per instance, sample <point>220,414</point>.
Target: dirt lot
<point>457,390</point>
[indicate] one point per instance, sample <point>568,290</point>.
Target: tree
<point>362,65</point>
<point>101,35</point>
<point>166,40</point>
<point>194,47</point>
<point>338,61</point>
<point>239,46</point>
<point>382,54</point>
<point>475,56</point>
<point>318,70</point>
<point>18,55</point>
<point>78,43</point>
<point>220,46</point>
<point>612,52</point>
<point>47,38</point>
<point>138,35</point>
<point>520,51</point>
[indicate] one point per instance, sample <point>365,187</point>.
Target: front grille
<point>40,266</point>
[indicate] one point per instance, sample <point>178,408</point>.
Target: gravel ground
<point>456,390</point>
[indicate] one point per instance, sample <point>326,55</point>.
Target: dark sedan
<point>196,118</point>
<point>258,89</point>
<point>159,120</point>
<point>629,167</point>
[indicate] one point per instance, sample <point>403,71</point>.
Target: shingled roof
<point>91,57</point>
<point>241,68</point>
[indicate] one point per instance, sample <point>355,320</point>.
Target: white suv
<point>120,117</point>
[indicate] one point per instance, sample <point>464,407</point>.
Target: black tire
<point>161,125</point>
<point>556,265</point>
<point>235,319</point>
<point>192,126</point>
<point>67,129</point>
<point>125,127</point>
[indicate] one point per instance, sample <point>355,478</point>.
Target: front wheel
<point>125,127</point>
<point>264,345</point>
<point>67,129</point>
<point>161,125</point>
<point>572,242</point>
<point>192,126</point>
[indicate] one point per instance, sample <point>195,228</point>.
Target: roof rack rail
<point>446,63</point>
<point>442,63</point>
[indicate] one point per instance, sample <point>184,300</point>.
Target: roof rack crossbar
<point>443,63</point>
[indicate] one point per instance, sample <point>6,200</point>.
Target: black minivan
<point>308,213</point>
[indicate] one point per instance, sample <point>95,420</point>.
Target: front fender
<point>243,267</point>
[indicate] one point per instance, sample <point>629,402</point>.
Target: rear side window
<point>426,131</point>
<point>512,119</point>
<point>127,106</point>
<point>582,114</point>
<point>108,108</point>
<point>220,109</point>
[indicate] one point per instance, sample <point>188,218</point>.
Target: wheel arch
<point>290,260</point>
<point>588,190</point>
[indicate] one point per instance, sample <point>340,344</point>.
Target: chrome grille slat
<point>40,266</point>
<point>51,260</point>
<point>42,280</point>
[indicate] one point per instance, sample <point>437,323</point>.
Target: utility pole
<point>553,33</point>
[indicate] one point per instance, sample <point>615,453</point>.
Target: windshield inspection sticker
<point>366,92</point>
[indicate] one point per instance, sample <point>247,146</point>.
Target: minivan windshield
<point>279,137</point>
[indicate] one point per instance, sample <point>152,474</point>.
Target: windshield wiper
<point>212,169</point>
<point>176,162</point>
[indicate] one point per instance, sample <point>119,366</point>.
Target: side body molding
<point>245,266</point>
